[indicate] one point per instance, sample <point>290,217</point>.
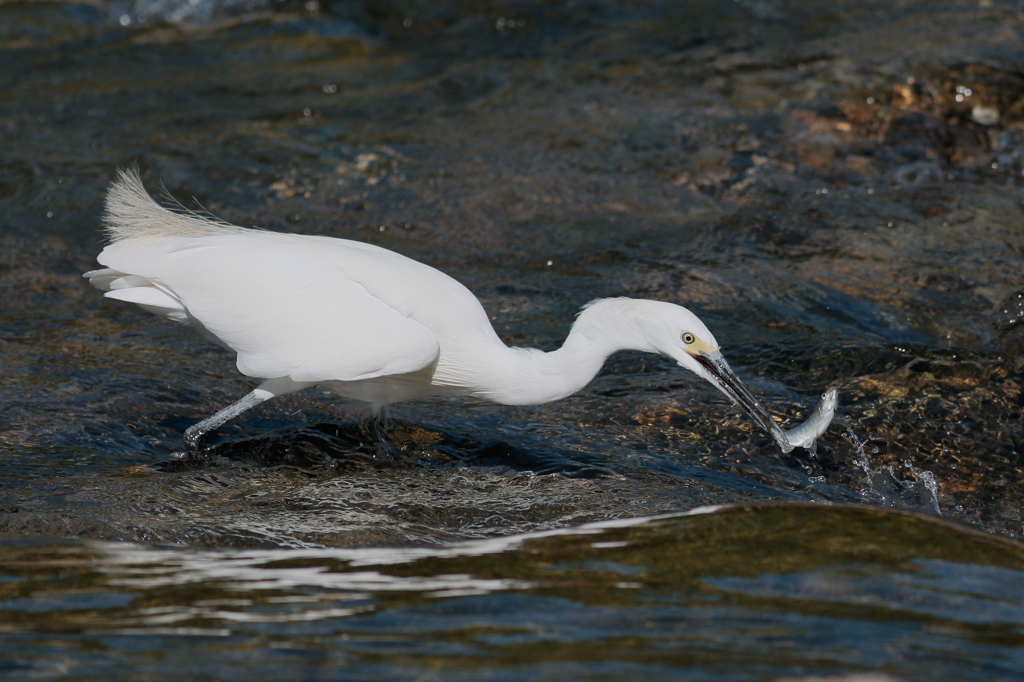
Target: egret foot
<point>376,429</point>
<point>195,451</point>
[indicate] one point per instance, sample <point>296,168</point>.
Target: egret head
<point>675,332</point>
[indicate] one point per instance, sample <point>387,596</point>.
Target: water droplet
<point>986,116</point>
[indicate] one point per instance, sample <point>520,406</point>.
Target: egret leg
<point>378,424</point>
<point>194,433</point>
<point>264,392</point>
<point>377,428</point>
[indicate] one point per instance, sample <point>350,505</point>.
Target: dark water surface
<point>836,189</point>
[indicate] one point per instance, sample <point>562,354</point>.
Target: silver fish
<point>804,435</point>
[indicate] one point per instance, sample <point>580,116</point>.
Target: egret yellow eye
<point>688,338</point>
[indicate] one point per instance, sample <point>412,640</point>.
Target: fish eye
<point>688,338</point>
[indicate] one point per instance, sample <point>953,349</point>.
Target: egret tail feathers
<point>131,213</point>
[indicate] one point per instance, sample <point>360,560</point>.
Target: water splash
<point>198,12</point>
<point>905,486</point>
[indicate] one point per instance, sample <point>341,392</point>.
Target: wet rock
<point>916,173</point>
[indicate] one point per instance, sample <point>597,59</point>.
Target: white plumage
<point>365,322</point>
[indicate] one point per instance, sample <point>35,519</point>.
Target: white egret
<point>365,322</point>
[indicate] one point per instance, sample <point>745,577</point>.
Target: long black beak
<point>731,385</point>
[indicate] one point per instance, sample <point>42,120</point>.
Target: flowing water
<point>836,190</point>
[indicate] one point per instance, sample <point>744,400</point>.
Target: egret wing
<point>284,311</point>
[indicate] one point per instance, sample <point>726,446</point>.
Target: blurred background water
<point>836,189</point>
